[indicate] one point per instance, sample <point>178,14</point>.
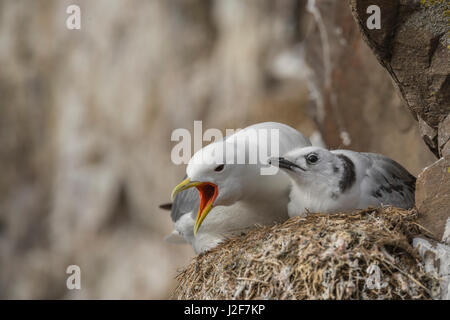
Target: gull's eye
<point>312,158</point>
<point>219,168</point>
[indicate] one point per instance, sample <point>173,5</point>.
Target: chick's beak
<point>208,193</point>
<point>284,163</point>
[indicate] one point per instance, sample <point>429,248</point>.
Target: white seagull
<point>340,180</point>
<point>233,197</point>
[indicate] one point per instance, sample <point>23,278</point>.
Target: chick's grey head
<point>309,166</point>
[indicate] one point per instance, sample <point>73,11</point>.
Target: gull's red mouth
<point>208,194</point>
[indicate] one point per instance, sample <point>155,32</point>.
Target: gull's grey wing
<point>185,202</point>
<point>388,182</point>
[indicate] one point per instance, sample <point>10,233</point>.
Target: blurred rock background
<point>86,118</point>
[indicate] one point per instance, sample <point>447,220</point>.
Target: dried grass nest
<point>358,255</point>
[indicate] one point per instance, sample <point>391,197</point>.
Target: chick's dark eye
<point>312,158</point>
<point>219,168</point>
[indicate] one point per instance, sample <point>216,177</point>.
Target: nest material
<point>359,255</point>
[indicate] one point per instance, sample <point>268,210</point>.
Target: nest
<point>358,255</point>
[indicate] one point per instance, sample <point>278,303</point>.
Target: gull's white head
<point>220,179</point>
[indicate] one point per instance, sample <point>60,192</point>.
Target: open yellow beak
<point>208,193</point>
<point>183,185</point>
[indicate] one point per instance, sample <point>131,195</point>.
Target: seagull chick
<point>232,197</point>
<point>340,180</point>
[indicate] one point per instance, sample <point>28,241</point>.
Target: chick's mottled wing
<point>387,182</point>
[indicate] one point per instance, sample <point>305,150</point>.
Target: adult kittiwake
<point>340,180</point>
<point>234,191</point>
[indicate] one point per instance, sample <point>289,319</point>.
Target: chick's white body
<point>302,202</point>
